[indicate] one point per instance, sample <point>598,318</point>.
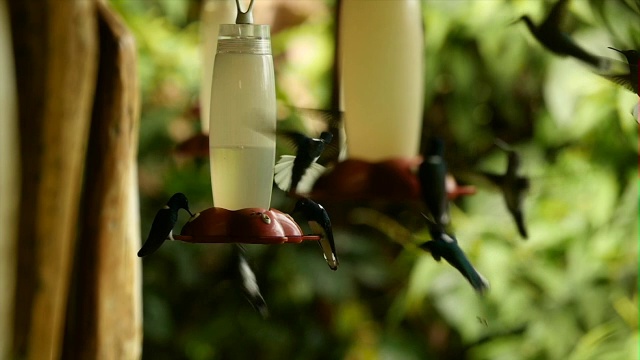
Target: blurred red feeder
<point>355,179</point>
<point>195,146</point>
<point>393,179</point>
<point>454,190</point>
<point>247,226</point>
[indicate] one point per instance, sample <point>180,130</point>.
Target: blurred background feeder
<point>195,146</point>
<point>382,76</point>
<point>214,13</point>
<point>381,47</point>
<point>455,191</point>
<point>247,226</point>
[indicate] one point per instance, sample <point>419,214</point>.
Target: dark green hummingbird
<point>548,33</point>
<point>291,170</point>
<point>163,223</point>
<point>432,175</point>
<point>630,79</point>
<point>512,186</point>
<point>443,245</point>
<point>250,284</point>
<point>319,222</point>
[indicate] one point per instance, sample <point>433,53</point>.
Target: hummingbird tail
<point>479,282</point>
<point>519,219</point>
<point>250,284</point>
<point>149,247</point>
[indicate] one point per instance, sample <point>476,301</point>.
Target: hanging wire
<point>244,17</point>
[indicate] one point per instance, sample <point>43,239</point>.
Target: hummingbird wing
<point>251,288</point>
<point>550,35</point>
<point>326,243</point>
<point>330,122</point>
<point>495,179</point>
<point>282,172</point>
<point>556,15</point>
<point>554,19</point>
<point>160,229</point>
<point>623,80</point>
<point>293,138</point>
<point>309,178</point>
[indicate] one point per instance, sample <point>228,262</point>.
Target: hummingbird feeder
<point>381,59</point>
<point>241,143</point>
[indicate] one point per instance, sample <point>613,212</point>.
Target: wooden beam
<point>55,48</point>
<point>105,319</point>
<point>9,182</point>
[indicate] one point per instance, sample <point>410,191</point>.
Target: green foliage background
<point>569,292</point>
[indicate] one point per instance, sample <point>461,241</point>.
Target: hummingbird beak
<point>609,47</point>
<point>515,21</point>
<point>189,212</point>
<point>428,218</point>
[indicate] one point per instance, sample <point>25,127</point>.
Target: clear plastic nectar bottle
<point>243,116</point>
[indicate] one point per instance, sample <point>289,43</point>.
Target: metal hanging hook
<point>244,17</point>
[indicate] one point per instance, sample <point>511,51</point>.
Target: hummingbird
<point>293,173</point>
<point>163,223</point>
<point>250,284</point>
<point>319,222</point>
<point>629,80</point>
<point>548,33</point>
<point>446,246</point>
<point>513,187</point>
<point>432,175</point>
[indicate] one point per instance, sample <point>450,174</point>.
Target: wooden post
<point>9,183</point>
<point>105,320</point>
<point>55,48</point>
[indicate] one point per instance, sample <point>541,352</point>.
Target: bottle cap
<point>244,39</point>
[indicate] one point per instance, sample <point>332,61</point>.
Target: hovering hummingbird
<point>446,246</point>
<point>548,33</point>
<point>319,223</point>
<point>513,187</point>
<point>432,175</point>
<point>301,170</point>
<point>628,80</point>
<point>163,223</point>
<point>250,284</point>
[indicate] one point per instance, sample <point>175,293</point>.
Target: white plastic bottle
<point>243,117</point>
<point>382,71</point>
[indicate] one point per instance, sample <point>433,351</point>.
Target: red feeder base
<point>392,179</point>
<point>246,226</point>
